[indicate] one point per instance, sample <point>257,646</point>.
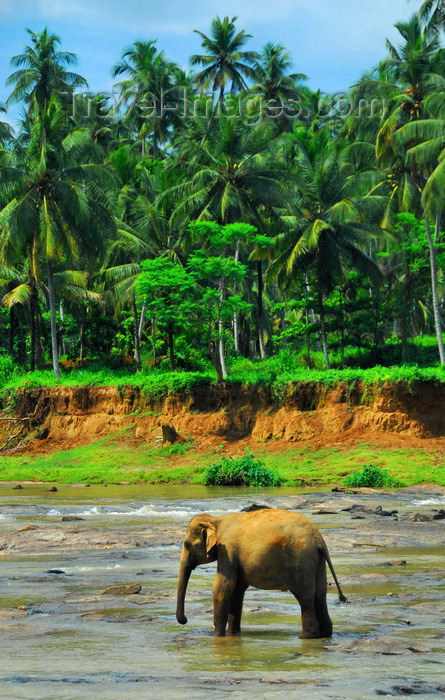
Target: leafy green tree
<point>190,297</point>
<point>166,289</point>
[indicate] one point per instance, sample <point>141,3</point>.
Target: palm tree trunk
<point>236,314</point>
<point>342,325</point>
<point>11,332</point>
<point>81,343</point>
<point>62,318</point>
<point>52,311</point>
<point>435,298</point>
<point>221,349</point>
<point>171,348</point>
<point>153,330</point>
<point>141,322</point>
<point>322,316</point>
<point>137,347</point>
<point>260,310</point>
<point>306,332</point>
<point>32,324</point>
<point>281,316</point>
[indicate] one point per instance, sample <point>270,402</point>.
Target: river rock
<point>325,511</point>
<point>416,688</point>
<point>125,589</point>
<point>396,562</point>
<point>378,510</point>
<point>132,619</point>
<point>253,506</point>
<point>440,515</point>
<point>385,645</point>
<point>71,518</point>
<point>418,518</point>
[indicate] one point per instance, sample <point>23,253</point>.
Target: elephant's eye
<point>188,545</point>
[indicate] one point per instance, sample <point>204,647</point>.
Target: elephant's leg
<point>236,609</point>
<point>321,608</point>
<point>222,601</point>
<point>303,588</point>
<point>309,622</point>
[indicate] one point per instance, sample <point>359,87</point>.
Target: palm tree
<point>331,230</point>
<point>151,88</point>
<point>275,85</point>
<point>42,70</point>
<point>224,60</point>
<point>433,11</point>
<point>412,68</point>
<point>52,215</point>
<point>426,155</point>
<point>412,137</point>
<point>6,133</point>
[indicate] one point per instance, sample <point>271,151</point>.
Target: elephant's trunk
<point>184,574</point>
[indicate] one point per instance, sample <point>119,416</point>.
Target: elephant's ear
<point>210,531</point>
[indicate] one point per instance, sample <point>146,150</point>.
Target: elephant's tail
<point>324,550</point>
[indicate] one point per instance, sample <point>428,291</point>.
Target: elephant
<point>270,549</point>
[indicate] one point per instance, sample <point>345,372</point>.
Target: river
<point>61,639</point>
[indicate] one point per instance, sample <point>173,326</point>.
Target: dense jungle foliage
<point>228,221</point>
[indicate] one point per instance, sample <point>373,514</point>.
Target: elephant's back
<point>273,546</point>
<point>277,518</point>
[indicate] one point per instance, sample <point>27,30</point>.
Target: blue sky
<point>331,41</point>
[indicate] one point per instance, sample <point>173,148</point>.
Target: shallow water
<point>73,643</point>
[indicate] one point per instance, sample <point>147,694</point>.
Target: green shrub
<point>240,471</point>
<point>8,368</point>
<point>179,448</point>
<point>372,477</point>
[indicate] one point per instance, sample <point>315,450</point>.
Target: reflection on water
<point>72,643</point>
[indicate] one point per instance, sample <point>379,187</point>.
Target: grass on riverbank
<point>276,372</point>
<point>299,466</point>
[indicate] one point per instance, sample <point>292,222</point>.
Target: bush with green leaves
<point>241,471</point>
<point>372,476</point>
<point>8,368</point>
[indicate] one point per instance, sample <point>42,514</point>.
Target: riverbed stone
<point>396,562</point>
<point>253,506</point>
<point>325,511</point>
<point>439,515</point>
<point>415,688</point>
<point>384,645</point>
<point>124,589</point>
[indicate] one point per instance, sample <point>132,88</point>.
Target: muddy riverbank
<point>62,638</point>
<point>395,414</point>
